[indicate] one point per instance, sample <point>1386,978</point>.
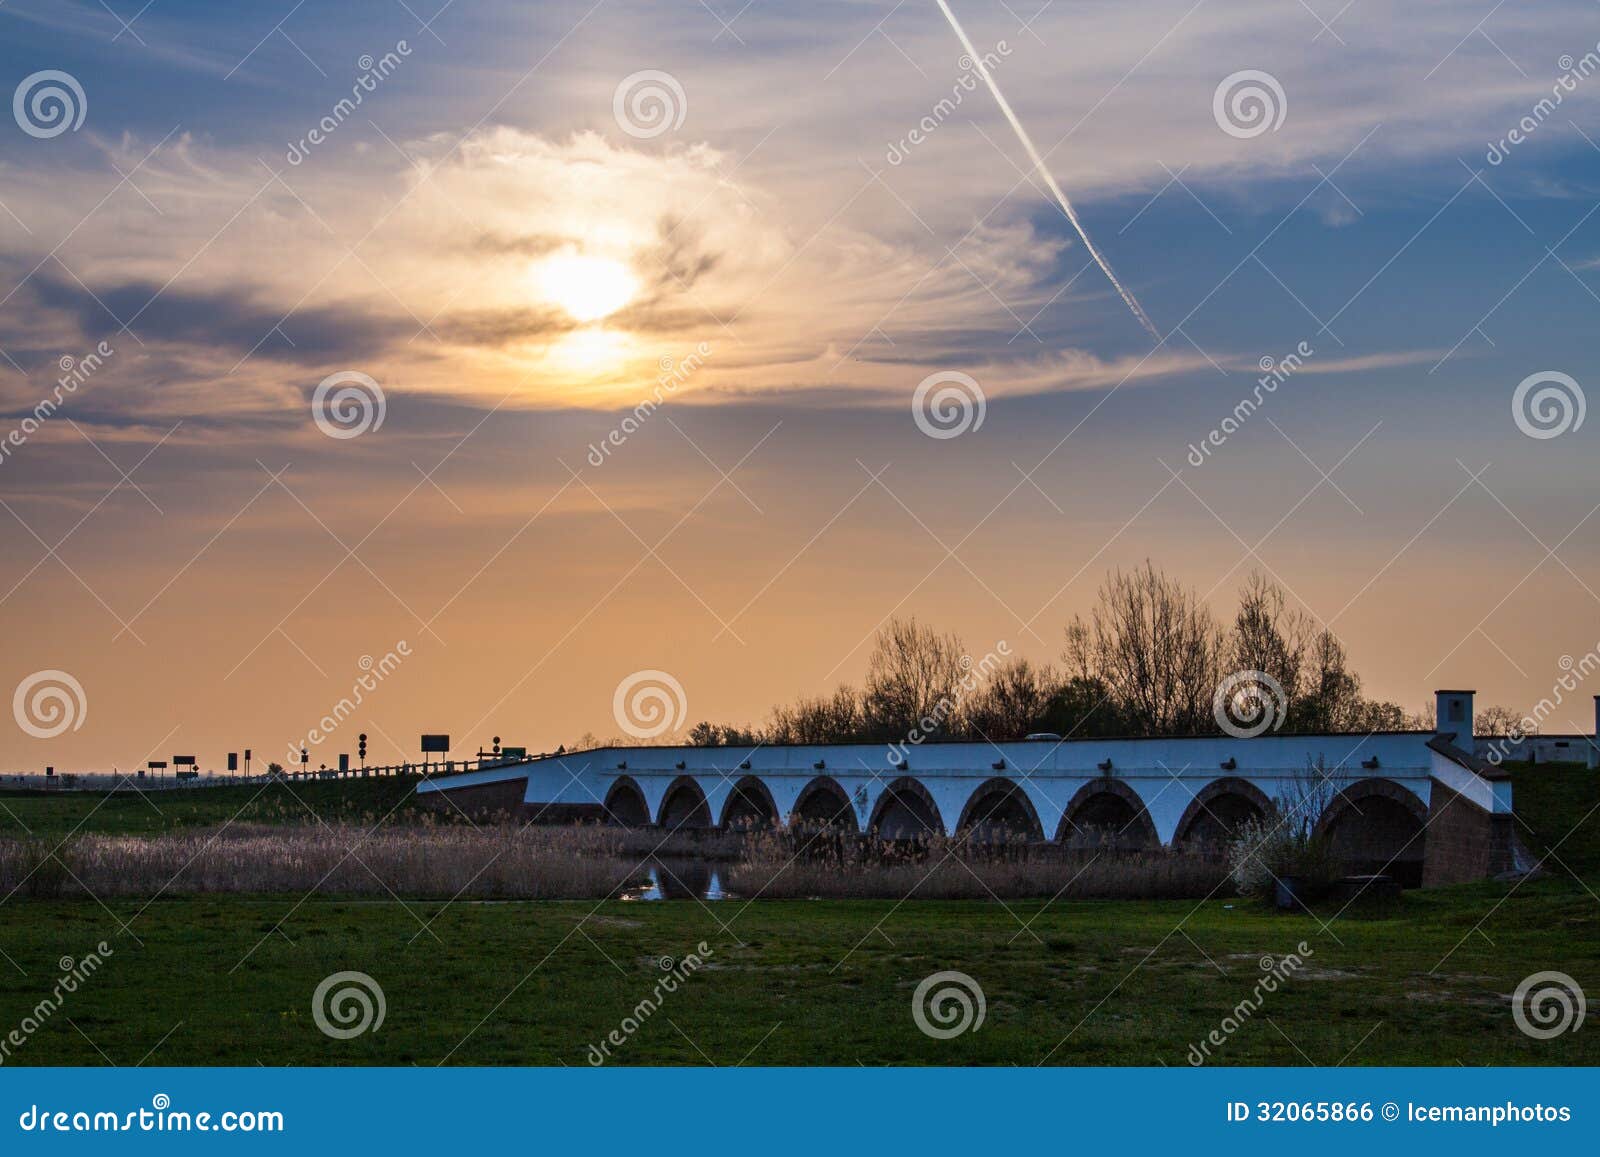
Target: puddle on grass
<point>678,880</point>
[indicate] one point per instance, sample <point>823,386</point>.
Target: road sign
<point>435,744</point>
<point>183,761</point>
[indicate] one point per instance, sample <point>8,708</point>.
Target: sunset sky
<point>503,239</point>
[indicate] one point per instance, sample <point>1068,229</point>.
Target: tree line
<point>1147,660</point>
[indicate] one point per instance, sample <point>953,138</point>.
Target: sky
<point>554,351</point>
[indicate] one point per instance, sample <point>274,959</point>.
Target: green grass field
<point>230,980</point>
<point>54,814</point>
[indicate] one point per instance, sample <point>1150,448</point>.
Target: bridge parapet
<point>1172,781</point>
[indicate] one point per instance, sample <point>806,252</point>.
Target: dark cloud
<point>499,327</point>
<point>236,321</point>
<point>526,245</point>
<point>681,253</point>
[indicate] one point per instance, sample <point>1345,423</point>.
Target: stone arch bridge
<point>1413,803</point>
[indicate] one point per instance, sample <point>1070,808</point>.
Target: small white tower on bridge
<point>1453,712</point>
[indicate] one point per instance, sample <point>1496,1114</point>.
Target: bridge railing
<point>152,781</point>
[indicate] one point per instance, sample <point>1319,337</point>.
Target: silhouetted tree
<point>1271,638</point>
<point>1084,709</point>
<point>1147,661</point>
<point>912,675</point>
<point>707,734</point>
<point>1331,698</point>
<point>1498,720</point>
<point>1012,703</point>
<point>1156,647</point>
<point>835,718</point>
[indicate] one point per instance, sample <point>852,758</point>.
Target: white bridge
<point>1384,798</point>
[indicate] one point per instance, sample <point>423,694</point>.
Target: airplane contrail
<point>1131,301</point>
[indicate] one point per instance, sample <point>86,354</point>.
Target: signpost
<point>433,745</point>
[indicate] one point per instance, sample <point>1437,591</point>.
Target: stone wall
<point>1464,842</point>
<point>1534,748</point>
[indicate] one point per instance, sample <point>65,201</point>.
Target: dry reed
<point>503,862</point>
<point>507,861</point>
<point>790,865</point>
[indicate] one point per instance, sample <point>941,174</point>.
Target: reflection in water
<point>678,880</point>
<point>650,891</point>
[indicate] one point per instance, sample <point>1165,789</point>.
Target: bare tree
<point>1012,703</point>
<point>1376,715</point>
<point>912,675</point>
<point>835,718</point>
<point>708,734</point>
<point>1498,720</point>
<point>1305,796</point>
<point>1330,698</point>
<point>1147,661</point>
<point>1156,647</point>
<point>1270,637</point>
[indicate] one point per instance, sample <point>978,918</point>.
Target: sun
<point>587,287</point>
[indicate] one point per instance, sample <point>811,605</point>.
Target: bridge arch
<point>749,806</point>
<point>905,811</point>
<point>823,803</point>
<point>1219,809</point>
<point>684,805</point>
<point>1377,826</point>
<point>625,804</point>
<point>1107,812</point>
<point>997,811</point>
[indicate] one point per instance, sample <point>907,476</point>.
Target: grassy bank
<point>202,979</point>
<point>55,814</point>
<point>1558,814</point>
<point>231,980</point>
